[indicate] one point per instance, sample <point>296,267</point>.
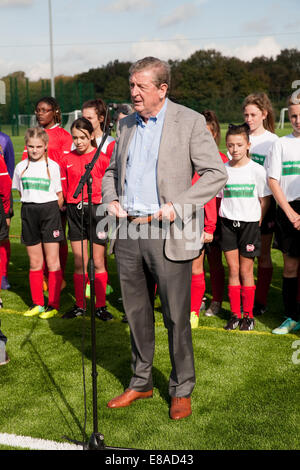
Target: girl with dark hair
<point>72,168</point>
<point>95,112</point>
<point>242,207</point>
<point>38,181</point>
<point>259,115</point>
<point>48,114</point>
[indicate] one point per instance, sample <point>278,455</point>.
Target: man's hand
<point>115,209</point>
<point>166,212</point>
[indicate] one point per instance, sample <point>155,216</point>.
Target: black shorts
<point>287,237</point>
<point>242,236</point>
<point>41,223</point>
<point>4,229</point>
<point>77,231</point>
<point>269,221</point>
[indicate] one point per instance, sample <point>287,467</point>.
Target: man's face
<point>146,98</point>
<point>294,116</point>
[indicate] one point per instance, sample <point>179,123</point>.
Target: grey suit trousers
<point>141,265</point>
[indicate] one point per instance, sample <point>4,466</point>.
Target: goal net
<point>29,120</point>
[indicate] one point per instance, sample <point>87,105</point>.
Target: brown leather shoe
<point>126,398</point>
<point>180,407</point>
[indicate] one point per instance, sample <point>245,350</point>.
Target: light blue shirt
<point>140,191</point>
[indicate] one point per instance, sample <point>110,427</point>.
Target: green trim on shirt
<point>256,157</point>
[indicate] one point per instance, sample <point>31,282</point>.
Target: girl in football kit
<point>214,253</point>
<point>38,181</point>
<point>243,205</point>
<point>72,168</point>
<point>96,112</point>
<point>5,197</point>
<point>259,115</point>
<point>283,169</point>
<point>49,117</point>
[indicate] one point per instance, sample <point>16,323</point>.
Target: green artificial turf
<point>246,395</point>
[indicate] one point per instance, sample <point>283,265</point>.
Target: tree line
<point>206,79</point>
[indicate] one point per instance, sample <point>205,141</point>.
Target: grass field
<point>246,395</point>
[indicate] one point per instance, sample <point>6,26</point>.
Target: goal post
<point>2,92</point>
<point>280,124</point>
<point>68,118</point>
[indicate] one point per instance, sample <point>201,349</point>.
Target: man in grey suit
<point>148,182</point>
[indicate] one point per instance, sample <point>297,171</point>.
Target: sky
<point>89,34</point>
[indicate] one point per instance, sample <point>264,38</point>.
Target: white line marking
<point>34,444</point>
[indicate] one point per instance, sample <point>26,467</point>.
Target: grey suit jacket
<point>186,146</point>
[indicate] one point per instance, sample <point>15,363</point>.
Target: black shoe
<point>103,314</point>
<point>247,324</point>
<point>259,309</point>
<point>233,323</point>
<point>74,312</point>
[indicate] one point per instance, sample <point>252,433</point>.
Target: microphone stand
<point>96,440</point>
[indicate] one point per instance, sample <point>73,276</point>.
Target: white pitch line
<point>34,444</point>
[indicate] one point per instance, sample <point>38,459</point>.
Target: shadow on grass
<point>54,387</point>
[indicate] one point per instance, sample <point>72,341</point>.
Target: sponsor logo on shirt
<point>239,190</point>
<point>39,184</point>
<point>291,168</point>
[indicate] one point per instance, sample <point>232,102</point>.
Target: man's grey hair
<point>161,70</point>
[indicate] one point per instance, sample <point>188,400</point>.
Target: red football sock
<point>78,287</point>
<point>264,279</point>
<point>248,294</point>
<point>63,256</point>
<point>234,294</point>
<point>5,256</point>
<point>36,287</point>
<point>54,282</point>
<point>100,288</point>
<point>197,291</point>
